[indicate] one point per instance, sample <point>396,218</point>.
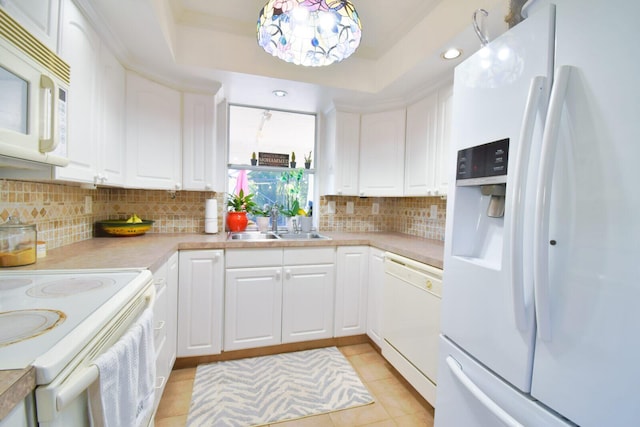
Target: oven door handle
<point>80,382</point>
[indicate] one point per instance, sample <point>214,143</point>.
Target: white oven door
<point>64,402</point>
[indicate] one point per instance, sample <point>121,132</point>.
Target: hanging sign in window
<point>273,159</point>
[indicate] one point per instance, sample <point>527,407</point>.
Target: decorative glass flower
<point>309,32</point>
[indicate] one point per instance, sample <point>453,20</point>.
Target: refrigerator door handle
<point>485,400</point>
<point>543,197</point>
<point>536,89</point>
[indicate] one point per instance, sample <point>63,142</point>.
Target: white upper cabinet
<point>382,154</point>
<point>96,104</point>
<point>420,156</point>
<point>153,135</point>
<point>39,17</point>
<point>427,144</point>
<point>199,161</point>
<point>80,48</point>
<point>342,151</point>
<point>445,105</point>
<point>111,151</point>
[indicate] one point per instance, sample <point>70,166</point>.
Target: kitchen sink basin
<point>257,236</point>
<point>253,236</point>
<point>303,236</point>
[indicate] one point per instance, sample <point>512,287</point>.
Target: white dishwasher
<point>411,321</point>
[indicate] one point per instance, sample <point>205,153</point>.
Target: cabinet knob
<point>207,186</point>
<point>429,284</point>
<point>178,186</point>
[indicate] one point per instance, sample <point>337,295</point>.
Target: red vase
<point>237,221</point>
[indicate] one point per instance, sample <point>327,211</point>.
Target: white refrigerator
<point>540,317</point>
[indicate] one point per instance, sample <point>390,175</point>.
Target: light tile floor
<point>397,404</point>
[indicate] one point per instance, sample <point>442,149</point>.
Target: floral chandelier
<point>309,32</point>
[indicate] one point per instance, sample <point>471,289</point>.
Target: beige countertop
<point>15,385</point>
<point>150,251</point>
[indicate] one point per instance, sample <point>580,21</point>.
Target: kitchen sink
<point>258,236</point>
<point>248,235</point>
<point>303,236</point>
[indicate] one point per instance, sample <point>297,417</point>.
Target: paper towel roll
<point>211,209</point>
<point>211,225</point>
<point>211,216</point>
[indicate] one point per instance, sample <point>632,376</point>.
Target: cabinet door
<point>172,307</point>
<point>160,324</point>
<point>351,290</point>
<point>421,140</point>
<point>198,149</point>
<point>443,163</point>
<point>253,307</point>
<point>111,113</point>
<point>375,298</point>
<point>80,47</point>
<point>153,135</point>
<point>382,154</point>
<point>39,17</point>
<point>200,297</point>
<point>307,303</point>
<point>342,153</point>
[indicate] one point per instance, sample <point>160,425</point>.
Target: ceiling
<point>211,44</point>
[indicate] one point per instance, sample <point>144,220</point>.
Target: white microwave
<point>34,91</point>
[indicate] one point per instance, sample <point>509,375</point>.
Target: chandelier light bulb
<point>309,32</point>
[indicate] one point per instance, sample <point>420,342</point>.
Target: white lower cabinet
<point>351,290</point>
<point>253,306</point>
<point>22,415</point>
<point>275,296</point>
<point>165,319</point>
<point>200,302</point>
<point>375,295</point>
<point>307,296</point>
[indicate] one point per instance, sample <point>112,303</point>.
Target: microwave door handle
<point>48,142</point>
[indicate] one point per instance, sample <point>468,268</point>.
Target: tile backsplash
<point>61,212</point>
<point>408,215</point>
<point>67,214</point>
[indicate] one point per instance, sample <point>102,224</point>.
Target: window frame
<point>248,167</point>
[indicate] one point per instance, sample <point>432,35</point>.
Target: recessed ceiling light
<point>280,93</point>
<point>451,53</point>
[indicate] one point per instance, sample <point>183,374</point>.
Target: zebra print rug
<point>262,390</point>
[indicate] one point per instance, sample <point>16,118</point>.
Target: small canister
<point>17,243</point>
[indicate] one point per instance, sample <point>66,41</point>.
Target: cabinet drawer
<point>160,310</point>
<point>244,258</point>
<point>309,256</point>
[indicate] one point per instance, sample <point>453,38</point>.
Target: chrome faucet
<point>274,218</point>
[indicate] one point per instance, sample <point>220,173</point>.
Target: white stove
<point>47,317</point>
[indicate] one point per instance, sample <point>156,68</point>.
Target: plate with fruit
<point>133,226</point>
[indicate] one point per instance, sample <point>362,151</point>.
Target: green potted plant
<point>238,206</point>
<point>307,161</point>
<point>254,159</point>
<point>262,217</point>
<point>292,163</point>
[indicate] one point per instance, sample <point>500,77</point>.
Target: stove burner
<point>20,325</point>
<point>69,286</point>
<point>9,284</point>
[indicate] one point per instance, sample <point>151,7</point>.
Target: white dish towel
<point>124,393</point>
